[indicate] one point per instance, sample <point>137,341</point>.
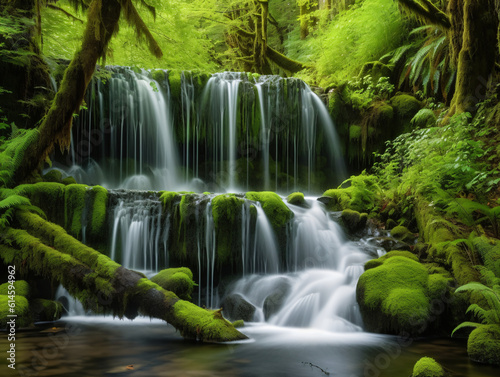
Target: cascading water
<point>318,287</point>
<point>232,132</point>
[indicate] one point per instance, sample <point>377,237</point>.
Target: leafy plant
<point>489,313</point>
<point>465,209</point>
<point>10,202</point>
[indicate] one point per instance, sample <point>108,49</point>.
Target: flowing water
<point>234,132</point>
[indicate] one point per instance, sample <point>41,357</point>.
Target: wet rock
<point>236,307</point>
<point>353,220</point>
<point>275,300</point>
<point>402,233</point>
<point>389,243</point>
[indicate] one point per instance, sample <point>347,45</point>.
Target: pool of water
<point>102,347</point>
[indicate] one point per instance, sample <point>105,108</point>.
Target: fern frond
<point>13,201</point>
<point>465,324</point>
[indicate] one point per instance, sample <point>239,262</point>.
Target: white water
<point>318,291</point>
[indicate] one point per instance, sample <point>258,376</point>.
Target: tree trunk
<point>477,56</point>
<point>101,284</point>
<point>102,22</point>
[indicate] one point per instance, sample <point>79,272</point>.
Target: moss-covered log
<point>39,247</point>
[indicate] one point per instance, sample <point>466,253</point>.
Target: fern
<point>465,209</point>
<point>488,315</point>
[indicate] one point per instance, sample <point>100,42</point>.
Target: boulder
<point>235,307</point>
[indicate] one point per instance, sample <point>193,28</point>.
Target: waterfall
<point>139,233</point>
<point>317,290</point>
<point>233,131</point>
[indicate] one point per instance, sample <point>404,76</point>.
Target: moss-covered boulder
<point>395,297</point>
<point>405,108</point>
<point>427,367</point>
<point>46,310</point>
<point>275,209</point>
<point>489,250</point>
<point>362,195</point>
<point>353,220</point>
<point>424,118</point>
<point>483,345</point>
<point>53,175</point>
<point>19,306</point>
<point>393,253</point>
<point>178,280</point>
<point>402,233</point>
<point>21,288</point>
<point>226,211</point>
<point>296,198</point>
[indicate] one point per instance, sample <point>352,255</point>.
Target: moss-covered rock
<point>69,181</point>
<point>46,310</point>
<point>489,250</point>
<point>424,118</point>
<point>405,108</point>
<point>427,367</point>
<point>178,280</point>
<point>21,288</point>
<point>484,344</point>
<point>353,220</point>
<point>226,211</point>
<point>402,233</point>
<point>236,307</point>
<point>362,195</point>
<point>74,203</point>
<point>53,175</point>
<point>395,296</point>
<point>276,211</point>
<point>296,198</point>
<point>21,309</point>
<point>393,253</point>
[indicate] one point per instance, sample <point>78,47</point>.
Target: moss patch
<point>395,296</point>
<point>394,253</point>
<point>363,195</point>
<point>484,344</point>
<point>276,211</point>
<point>296,198</point>
<point>21,310</point>
<point>427,367</point>
<point>402,233</point>
<point>21,287</point>
<point>46,310</point>
<point>177,280</point>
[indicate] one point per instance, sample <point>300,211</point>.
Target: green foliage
<point>364,32</point>
<point>467,210</point>
<point>437,161</point>
<point>175,25</point>
<point>15,41</point>
<point>426,62</point>
<point>177,280</point>
<point>275,209</point>
<point>488,312</point>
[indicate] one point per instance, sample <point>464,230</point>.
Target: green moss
<point>46,310</point>
<point>363,194</point>
<point>49,197</point>
<point>438,285</point>
<point>99,197</point>
<point>167,198</point>
<point>394,253</point>
<point>402,233</point>
<point>174,80</point>
<point>423,119</point>
<point>74,203</point>
<point>69,181</point>
<point>53,176</point>
<point>21,309</point>
<point>276,211</point>
<point>393,297</point>
<point>158,75</point>
<point>226,211</point>
<point>489,250</point>
<point>21,287</point>
<point>202,324</point>
<point>354,132</point>
<point>239,323</point>
<point>484,344</point>
<point>296,198</point>
<point>427,367</point>
<point>406,106</point>
<point>177,280</point>
<point>353,220</point>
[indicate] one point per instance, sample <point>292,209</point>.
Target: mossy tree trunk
<point>477,55</point>
<point>102,23</point>
<point>472,30</point>
<point>248,38</point>
<point>37,246</point>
